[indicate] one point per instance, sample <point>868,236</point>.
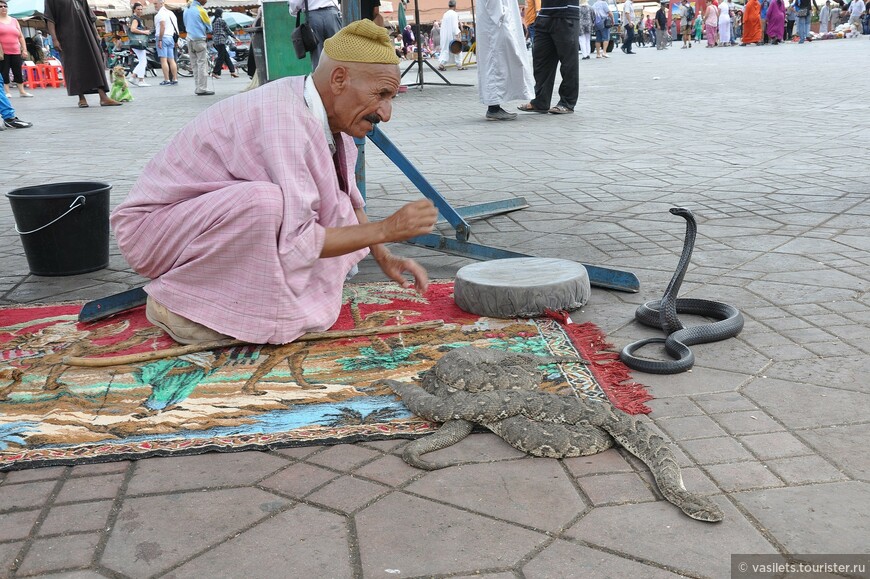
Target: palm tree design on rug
<point>352,417</point>
<point>173,380</point>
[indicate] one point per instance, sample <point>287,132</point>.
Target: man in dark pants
<point>628,23</point>
<point>557,41</point>
<point>629,39</point>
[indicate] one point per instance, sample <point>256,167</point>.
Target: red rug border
<point>611,375</point>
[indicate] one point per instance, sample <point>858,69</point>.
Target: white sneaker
<point>133,82</point>
<point>142,83</point>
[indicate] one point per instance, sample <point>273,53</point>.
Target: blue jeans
<point>803,27</point>
<point>6,110</point>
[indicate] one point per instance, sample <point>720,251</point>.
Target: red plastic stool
<point>33,75</point>
<point>52,74</point>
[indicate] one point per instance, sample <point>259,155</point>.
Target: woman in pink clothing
<point>12,41</point>
<point>711,24</point>
<point>776,21</point>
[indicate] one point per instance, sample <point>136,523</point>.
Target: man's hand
<point>395,268</point>
<point>417,218</point>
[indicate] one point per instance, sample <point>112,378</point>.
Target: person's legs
<point>199,63</point>
<point>6,110</point>
<point>325,24</point>
<point>629,39</point>
<point>105,101</point>
<point>141,64</point>
<point>545,59</point>
<point>235,232</point>
<point>16,61</point>
<point>223,57</point>
<point>585,48</point>
<point>566,41</point>
<point>5,78</point>
<point>164,50</point>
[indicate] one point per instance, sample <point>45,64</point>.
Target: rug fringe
<point>613,376</point>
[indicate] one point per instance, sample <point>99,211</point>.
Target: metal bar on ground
<point>113,304</point>
<point>484,210</point>
<point>393,153</point>
<point>602,277</point>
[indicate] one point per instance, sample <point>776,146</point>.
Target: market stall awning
<point>24,9</point>
<point>238,19</point>
<point>225,4</point>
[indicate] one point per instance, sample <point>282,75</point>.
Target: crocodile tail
<point>656,453</point>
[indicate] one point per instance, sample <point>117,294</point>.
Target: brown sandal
<point>561,110</point>
<point>528,108</point>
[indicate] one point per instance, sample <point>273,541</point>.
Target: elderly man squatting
<point>249,220</point>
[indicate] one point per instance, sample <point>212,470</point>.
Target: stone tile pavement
<point>767,145</point>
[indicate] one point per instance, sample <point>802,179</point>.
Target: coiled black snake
<point>663,314</point>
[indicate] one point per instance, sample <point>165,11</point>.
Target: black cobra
<point>663,314</point>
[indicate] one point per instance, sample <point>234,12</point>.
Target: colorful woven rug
<point>255,397</point>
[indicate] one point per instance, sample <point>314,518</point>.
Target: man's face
<point>367,98</point>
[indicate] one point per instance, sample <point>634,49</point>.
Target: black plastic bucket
<point>64,227</point>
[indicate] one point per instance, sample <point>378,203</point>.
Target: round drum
<point>521,287</point>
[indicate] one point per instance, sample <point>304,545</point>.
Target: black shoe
<point>16,123</point>
<point>500,115</point>
<point>205,93</point>
<point>630,52</point>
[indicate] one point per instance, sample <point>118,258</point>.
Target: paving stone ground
<point>768,146</point>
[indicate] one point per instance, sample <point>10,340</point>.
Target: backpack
<point>690,14</point>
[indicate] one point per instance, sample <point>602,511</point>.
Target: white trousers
<point>585,46</point>
<point>142,64</point>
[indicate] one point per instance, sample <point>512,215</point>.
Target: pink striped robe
<point>229,219</point>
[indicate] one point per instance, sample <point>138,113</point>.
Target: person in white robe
<point>449,33</point>
<point>503,68</point>
<point>825,18</point>
<point>725,23</point>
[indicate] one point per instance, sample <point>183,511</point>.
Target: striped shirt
<point>560,9</point>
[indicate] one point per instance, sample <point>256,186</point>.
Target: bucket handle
<point>74,205</point>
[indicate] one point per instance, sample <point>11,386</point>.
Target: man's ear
<point>339,79</point>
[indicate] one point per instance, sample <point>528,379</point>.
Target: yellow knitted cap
<point>361,41</point>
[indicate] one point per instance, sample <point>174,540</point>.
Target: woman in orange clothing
<point>751,23</point>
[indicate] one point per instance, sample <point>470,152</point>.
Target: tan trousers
<point>199,63</point>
